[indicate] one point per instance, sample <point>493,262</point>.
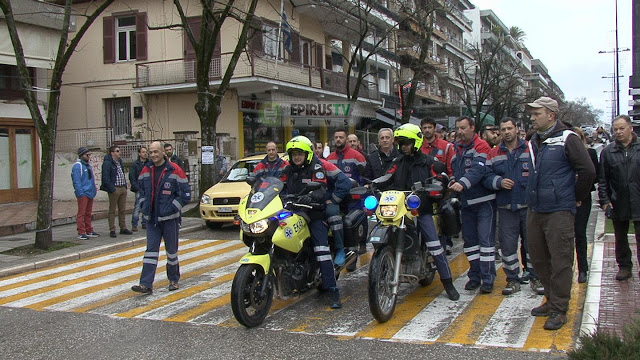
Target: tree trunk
<point>44,235</point>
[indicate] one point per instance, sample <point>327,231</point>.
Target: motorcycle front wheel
<point>382,302</point>
<point>249,308</point>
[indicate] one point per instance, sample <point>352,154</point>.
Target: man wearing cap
<point>490,135</point>
<point>561,177</point>
<point>84,187</point>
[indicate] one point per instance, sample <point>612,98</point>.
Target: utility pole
<point>617,73</point>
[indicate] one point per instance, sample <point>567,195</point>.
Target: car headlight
<point>206,199</point>
<point>259,226</point>
<point>388,210</point>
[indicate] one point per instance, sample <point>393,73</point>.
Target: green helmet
<point>300,143</point>
<point>409,132</point>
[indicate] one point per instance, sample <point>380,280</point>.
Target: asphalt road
<point>86,310</point>
<point>29,334</point>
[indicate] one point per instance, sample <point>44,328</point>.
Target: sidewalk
<point>22,216</point>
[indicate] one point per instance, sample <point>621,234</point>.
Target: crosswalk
<point>100,285</point>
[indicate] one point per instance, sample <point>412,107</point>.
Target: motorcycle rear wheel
<point>382,302</point>
<point>249,308</point>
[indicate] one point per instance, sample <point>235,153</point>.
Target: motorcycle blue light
<point>283,215</point>
<point>413,201</point>
<point>371,202</point>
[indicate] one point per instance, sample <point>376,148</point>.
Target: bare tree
<point>416,18</point>
<point>46,128</point>
<point>365,37</point>
<point>491,81</point>
<point>208,107</point>
<point>579,112</point>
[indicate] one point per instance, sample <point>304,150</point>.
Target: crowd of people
<point>525,197</point>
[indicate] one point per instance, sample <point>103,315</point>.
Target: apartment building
<point>128,82</point>
<point>38,26</point>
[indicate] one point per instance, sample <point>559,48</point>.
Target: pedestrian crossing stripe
<point>100,285</point>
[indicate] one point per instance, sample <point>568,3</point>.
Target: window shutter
<point>141,36</point>
<point>328,62</point>
<point>319,56</point>
<point>255,36</point>
<point>295,47</point>
<point>195,23</point>
<point>108,40</point>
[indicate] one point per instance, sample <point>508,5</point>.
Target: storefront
<point>263,122</point>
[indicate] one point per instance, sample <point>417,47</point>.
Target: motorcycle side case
<point>354,228</point>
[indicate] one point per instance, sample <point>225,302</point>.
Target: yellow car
<point>219,204</point>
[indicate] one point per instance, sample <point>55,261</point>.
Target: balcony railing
<point>459,14</point>
<point>182,71</point>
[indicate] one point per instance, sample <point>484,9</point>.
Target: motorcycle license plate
<point>224,209</point>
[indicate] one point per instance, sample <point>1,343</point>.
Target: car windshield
<point>267,190</point>
<point>240,171</point>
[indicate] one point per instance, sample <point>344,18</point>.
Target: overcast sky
<point>567,36</point>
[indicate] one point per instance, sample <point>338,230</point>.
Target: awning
<point>391,117</point>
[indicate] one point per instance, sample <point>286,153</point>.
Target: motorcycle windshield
<point>267,191</point>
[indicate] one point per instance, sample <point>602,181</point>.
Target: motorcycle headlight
<point>388,210</point>
<point>259,227</point>
<point>206,199</point>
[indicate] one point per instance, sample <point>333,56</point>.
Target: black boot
<point>334,295</point>
<point>450,289</point>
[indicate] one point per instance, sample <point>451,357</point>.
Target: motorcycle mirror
<point>439,167</point>
<point>250,180</point>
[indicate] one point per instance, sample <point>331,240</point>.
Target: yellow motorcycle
<point>281,260</point>
<point>400,256</point>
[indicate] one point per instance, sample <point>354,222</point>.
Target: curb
<point>591,309</point>
<point>39,264</point>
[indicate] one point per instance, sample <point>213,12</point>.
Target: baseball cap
<point>546,102</point>
<point>439,127</point>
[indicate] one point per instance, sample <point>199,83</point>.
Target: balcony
<point>459,15</point>
<point>181,73</point>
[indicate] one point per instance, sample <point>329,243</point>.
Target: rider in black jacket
<point>415,166</point>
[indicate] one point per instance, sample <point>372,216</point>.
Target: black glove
<point>304,200</point>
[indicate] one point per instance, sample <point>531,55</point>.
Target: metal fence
<point>70,140</point>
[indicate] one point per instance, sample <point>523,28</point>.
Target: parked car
<point>219,204</point>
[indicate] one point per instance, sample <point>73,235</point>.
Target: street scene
<point>319,179</point>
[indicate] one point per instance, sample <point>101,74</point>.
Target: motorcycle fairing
<point>392,197</point>
<point>262,260</point>
<point>260,205</point>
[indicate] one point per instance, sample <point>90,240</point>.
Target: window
<point>118,113</point>
<point>272,47</point>
<point>125,37</point>
<point>10,87</point>
<point>305,52</point>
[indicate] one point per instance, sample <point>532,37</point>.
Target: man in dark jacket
<point>562,174</point>
<point>174,158</point>
<point>134,172</point>
<point>115,184</point>
<point>478,205</point>
<point>379,161</point>
<point>619,189</point>
<point>415,166</point>
<point>508,169</point>
<point>164,190</point>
